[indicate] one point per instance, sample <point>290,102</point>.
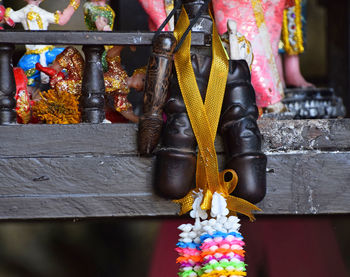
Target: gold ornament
<point>74,4</point>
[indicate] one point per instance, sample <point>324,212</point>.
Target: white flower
<point>197,211</point>
<point>218,206</point>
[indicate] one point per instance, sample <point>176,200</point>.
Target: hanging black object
<point>158,75</point>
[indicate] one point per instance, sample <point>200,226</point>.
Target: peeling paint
<point>313,209</point>
<point>294,134</point>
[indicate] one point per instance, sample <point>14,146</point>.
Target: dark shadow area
<point>276,246</point>
<point>104,248</point>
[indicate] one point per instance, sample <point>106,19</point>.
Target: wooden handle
<point>156,89</point>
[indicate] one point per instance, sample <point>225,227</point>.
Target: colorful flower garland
<point>211,247</point>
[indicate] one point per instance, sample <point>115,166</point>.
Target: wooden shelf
<point>87,38</point>
<point>89,171</point>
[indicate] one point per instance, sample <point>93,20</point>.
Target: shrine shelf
<point>94,171</point>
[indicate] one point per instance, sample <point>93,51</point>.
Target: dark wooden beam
<point>41,140</point>
<point>86,38</point>
<point>88,171</point>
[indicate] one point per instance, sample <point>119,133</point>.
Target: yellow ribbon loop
<point>204,119</point>
<point>236,204</point>
<point>231,183</point>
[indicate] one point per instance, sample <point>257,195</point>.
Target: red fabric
<point>164,257</point>
<point>115,117</point>
<point>8,20</point>
<point>2,12</point>
<point>289,3</point>
<point>156,12</point>
<point>292,246</point>
<point>23,102</point>
<point>20,78</point>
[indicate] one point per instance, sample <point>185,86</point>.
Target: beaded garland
<point>211,247</point>
<point>292,29</point>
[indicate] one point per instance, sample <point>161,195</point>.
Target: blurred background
<point>125,247</point>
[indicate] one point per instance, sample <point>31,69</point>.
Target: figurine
<point>60,105</point>
<point>157,11</point>
<point>4,18</point>
<point>34,18</point>
<point>264,37</point>
<point>98,15</point>
<point>260,22</point>
<point>117,82</point>
<point>176,160</point>
<point>23,101</point>
<point>72,62</point>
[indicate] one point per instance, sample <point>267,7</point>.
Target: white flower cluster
<point>191,233</point>
<point>210,246</point>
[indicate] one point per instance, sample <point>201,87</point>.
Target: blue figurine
<point>34,18</point>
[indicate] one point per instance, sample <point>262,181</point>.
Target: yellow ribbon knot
<point>234,204</point>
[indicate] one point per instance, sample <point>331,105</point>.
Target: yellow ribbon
<point>204,120</point>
